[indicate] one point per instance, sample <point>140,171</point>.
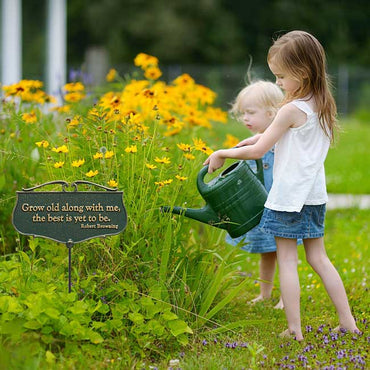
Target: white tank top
<point>299,174</point>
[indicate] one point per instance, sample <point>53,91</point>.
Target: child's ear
<point>270,113</point>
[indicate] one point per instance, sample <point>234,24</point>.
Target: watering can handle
<point>259,172</point>
<point>204,170</point>
<point>200,179</point>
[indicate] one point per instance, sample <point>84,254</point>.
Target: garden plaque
<point>69,216</point>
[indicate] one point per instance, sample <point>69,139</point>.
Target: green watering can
<point>234,200</point>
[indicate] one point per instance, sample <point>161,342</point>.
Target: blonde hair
<point>302,57</point>
<point>263,94</point>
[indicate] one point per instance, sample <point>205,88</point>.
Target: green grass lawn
<point>347,167</point>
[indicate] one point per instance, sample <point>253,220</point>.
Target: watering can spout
<point>206,214</point>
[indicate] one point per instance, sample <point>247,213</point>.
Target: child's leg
<point>316,256</point>
<point>267,272</point>
<point>287,256</point>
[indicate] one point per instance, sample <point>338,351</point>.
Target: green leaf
<point>32,324</point>
<point>168,316</point>
<point>50,358</point>
<point>52,312</point>
<point>79,307</point>
<point>95,337</point>
<point>136,317</point>
<point>10,304</point>
<point>178,327</point>
<point>156,327</point>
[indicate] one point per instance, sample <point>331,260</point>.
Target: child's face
<point>256,118</point>
<point>283,80</point>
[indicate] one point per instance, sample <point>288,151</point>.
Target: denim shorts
<point>254,241</point>
<point>306,224</point>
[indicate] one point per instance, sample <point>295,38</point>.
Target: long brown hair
<point>301,56</point>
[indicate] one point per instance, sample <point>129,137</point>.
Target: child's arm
<point>285,118</point>
<point>249,141</point>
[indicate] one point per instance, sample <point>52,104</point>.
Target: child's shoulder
<point>291,112</point>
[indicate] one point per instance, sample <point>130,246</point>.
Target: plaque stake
<point>69,245</point>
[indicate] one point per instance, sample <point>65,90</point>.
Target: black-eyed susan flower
<point>29,117</point>
<point>216,114</point>
<point>163,183</point>
<point>230,141</point>
<point>98,155</point>
<point>92,173</point>
<point>145,60</point>
<point>42,143</point>
<point>75,121</point>
<point>74,97</point>
<point>200,145</point>
<point>150,166</point>
<point>181,178</point>
<point>58,164</point>
<point>112,183</point>
<point>164,160</point>
<point>184,80</point>
<point>74,86</point>
<point>108,154</point>
<point>131,149</point>
<point>189,156</point>
<point>111,75</point>
<point>78,163</point>
<point>152,73</point>
<point>60,149</point>
<point>184,147</point>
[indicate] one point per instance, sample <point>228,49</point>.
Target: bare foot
<point>341,329</point>
<point>291,334</point>
<point>257,299</point>
<point>279,305</point>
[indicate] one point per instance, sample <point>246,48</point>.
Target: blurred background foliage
<point>214,40</point>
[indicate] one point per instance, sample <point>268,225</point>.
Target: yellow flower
<point>150,166</point>
<point>61,109</point>
<point>74,97</point>
<point>131,149</point>
<point>58,164</point>
<point>184,80</point>
<point>181,178</point>
<point>42,143</point>
<point>29,117</point>
<point>108,154</point>
<point>144,60</point>
<point>164,160</point>
<point>78,163</point>
<point>200,145</point>
<point>189,156</point>
<point>111,75</point>
<point>184,147</point>
<point>98,155</point>
<point>230,141</point>
<point>61,149</point>
<point>152,73</point>
<point>92,173</point>
<point>75,121</point>
<point>161,184</point>
<point>112,183</point>
<point>74,86</point>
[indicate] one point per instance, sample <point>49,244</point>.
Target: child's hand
<point>214,161</point>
